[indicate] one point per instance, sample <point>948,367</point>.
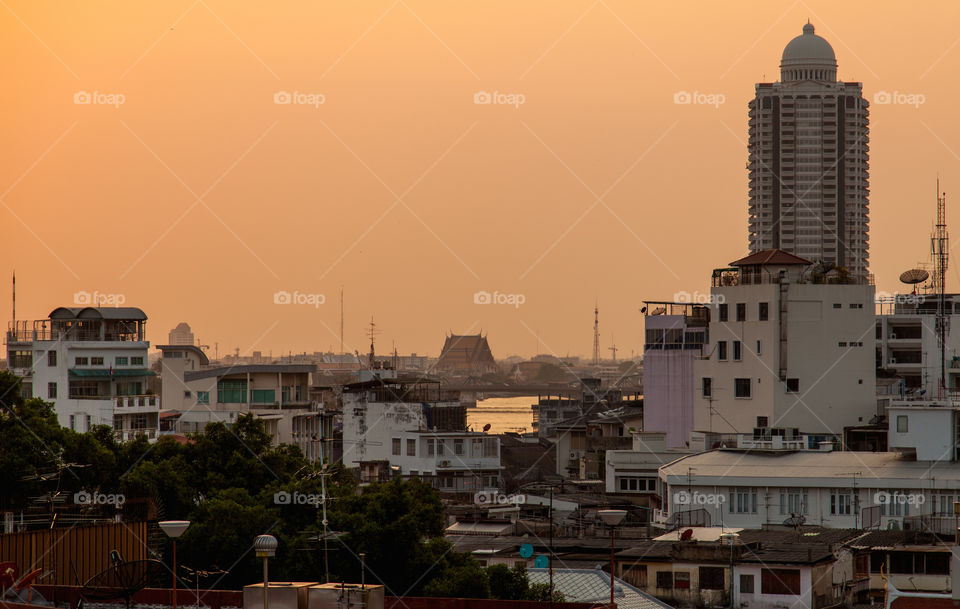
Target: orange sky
<point>198,197</point>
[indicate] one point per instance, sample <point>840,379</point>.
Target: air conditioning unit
<point>574,454</point>
<point>444,464</point>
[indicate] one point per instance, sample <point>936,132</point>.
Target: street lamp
<point>265,547</point>
<point>612,518</point>
<point>174,529</point>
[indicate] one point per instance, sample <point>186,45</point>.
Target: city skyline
<point>418,156</point>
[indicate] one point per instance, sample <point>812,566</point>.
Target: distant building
<point>467,355</point>
<point>398,427</point>
<point>789,346</point>
<point>181,335</point>
<point>91,363</point>
<point>808,160</point>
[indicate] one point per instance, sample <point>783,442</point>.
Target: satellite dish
<point>914,276</point>
<point>486,427</point>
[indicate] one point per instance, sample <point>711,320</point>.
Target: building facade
<point>808,160</point>
<point>91,363</point>
<point>788,347</point>
<point>675,337</point>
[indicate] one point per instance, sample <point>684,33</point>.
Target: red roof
<point>770,257</point>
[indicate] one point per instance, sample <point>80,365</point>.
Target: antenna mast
<point>940,248</point>
<point>341,320</point>
<point>596,334</point>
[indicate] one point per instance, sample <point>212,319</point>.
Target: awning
<point>479,528</point>
<point>101,373</point>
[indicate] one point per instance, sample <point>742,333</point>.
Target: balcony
<point>128,435</point>
<point>137,401</point>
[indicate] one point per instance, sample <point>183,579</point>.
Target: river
<point>503,414</point>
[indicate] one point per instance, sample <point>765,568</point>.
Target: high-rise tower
<point>808,160</point>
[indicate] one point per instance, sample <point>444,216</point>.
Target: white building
<point>675,337</point>
<point>412,428</point>
<point>91,363</point>
<point>196,394</point>
<point>908,346</point>
<point>808,160</point>
<point>789,347</point>
<point>755,489</point>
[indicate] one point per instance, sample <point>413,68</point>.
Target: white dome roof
<point>808,49</point>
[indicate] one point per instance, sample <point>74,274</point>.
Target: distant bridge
<point>503,390</point>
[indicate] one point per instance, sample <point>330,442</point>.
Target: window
<point>706,386</point>
<point>837,305</point>
<point>763,422</point>
<point>665,580</point>
<point>743,500</point>
<point>763,311</point>
<point>81,361</point>
<point>722,350</point>
<point>458,447</point>
<point>759,351</point>
<point>711,578</point>
<point>73,422</point>
<point>841,503</point>
<point>263,396</point>
<point>842,344</point>
<point>52,391</point>
<point>396,446</point>
<point>902,424</point>
<point>232,391</point>
<point>793,501</point>
<point>780,581</point>
<point>746,584</point>
<point>741,388</point>
<point>737,351</point>
<point>430,447</point>
<point>186,394</point>
<point>741,311</point>
<point>793,385</point>
<point>681,580</point>
<point>411,448</point>
<point>51,358</point>
<point>121,361</point>
<point>722,312</point>
<point>96,361</point>
<point>203,397</point>
<point>856,305</point>
<point>136,361</point>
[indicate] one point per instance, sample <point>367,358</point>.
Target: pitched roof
<point>771,257</point>
<point>465,351</point>
<point>593,586</point>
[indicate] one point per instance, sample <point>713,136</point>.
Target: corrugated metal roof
<point>593,586</point>
<point>770,257</point>
<point>799,468</point>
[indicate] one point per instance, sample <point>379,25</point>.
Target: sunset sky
<point>184,187</point>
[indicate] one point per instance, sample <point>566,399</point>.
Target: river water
<point>503,414</point>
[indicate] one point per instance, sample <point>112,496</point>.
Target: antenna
<point>940,249</point>
<point>341,320</point>
<point>14,300</point>
<point>596,334</point>
<point>613,349</point>
<point>372,333</point>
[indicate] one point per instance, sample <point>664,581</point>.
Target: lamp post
<point>174,529</point>
<point>612,518</point>
<point>265,547</point>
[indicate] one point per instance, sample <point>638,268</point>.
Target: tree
<point>507,583</point>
